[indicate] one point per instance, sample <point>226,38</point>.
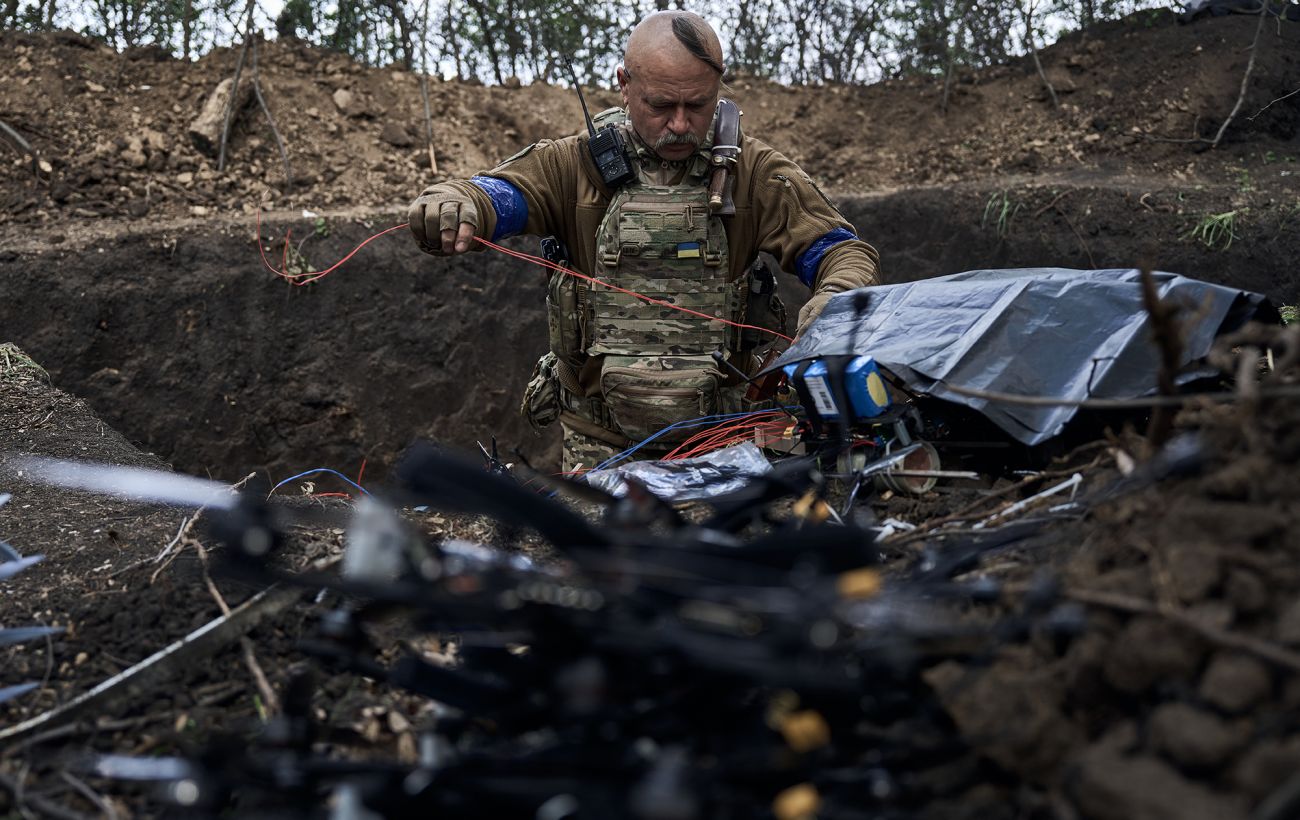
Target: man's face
<point>670,99</point>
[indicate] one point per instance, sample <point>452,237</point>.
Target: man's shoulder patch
<point>524,152</point>
<point>609,116</point>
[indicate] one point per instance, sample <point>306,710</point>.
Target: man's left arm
<point>796,223</point>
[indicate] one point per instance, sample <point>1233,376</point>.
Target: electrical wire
<point>307,277</point>
<point>546,263</point>
<point>315,472</point>
<point>701,421</point>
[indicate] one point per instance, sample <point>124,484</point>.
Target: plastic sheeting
<point>687,479</point>
<point>1032,332</point>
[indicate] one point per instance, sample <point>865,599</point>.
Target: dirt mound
<point>113,127</point>
<point>1179,698</point>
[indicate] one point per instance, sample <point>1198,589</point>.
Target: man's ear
<point>622,76</point>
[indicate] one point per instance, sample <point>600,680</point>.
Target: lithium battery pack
<point>868,396</point>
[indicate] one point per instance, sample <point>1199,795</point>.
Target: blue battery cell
<point>868,395</point>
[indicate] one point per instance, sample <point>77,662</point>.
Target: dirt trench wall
<point>190,347</point>
<point>185,343</point>
<point>929,232</point>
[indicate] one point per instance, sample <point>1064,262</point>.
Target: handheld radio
<point>608,151</point>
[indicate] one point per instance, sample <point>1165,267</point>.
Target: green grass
<point>13,362</point>
<point>1290,314</point>
<point>999,210</point>
<point>1215,231</point>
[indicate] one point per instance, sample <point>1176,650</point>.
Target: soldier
<point>619,369</point>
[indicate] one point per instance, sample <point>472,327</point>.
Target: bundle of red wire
<point>729,433</point>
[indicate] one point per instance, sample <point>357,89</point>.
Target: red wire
<point>723,434</point>
<point>537,260</point>
<point>726,436</point>
<point>703,441</point>
<point>307,277</point>
<point>717,444</point>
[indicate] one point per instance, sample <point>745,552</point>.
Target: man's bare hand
<point>443,221</point>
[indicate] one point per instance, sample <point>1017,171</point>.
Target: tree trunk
<point>187,28</point>
<point>489,40</point>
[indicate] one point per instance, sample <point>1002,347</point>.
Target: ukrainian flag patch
<point>688,250</point>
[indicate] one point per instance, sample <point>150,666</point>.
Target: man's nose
<point>678,122</point>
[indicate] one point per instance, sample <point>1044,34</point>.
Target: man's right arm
<point>522,195</point>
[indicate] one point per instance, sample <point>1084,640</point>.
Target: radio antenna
<point>591,127</point>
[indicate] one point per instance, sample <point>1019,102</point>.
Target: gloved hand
<point>443,221</point>
<point>812,309</point>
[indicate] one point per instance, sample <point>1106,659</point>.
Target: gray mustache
<point>677,139</point>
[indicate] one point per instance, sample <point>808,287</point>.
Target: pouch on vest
<point>566,319</point>
<point>541,404</point>
<point>645,395</point>
<point>761,307</point>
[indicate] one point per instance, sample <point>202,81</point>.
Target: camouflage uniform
<point>619,368</point>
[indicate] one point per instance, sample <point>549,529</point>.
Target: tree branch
<point>279,141</point>
<point>234,88</point>
<point>424,90</point>
<point>1245,78</point>
<point>1033,51</point>
<point>1279,99</point>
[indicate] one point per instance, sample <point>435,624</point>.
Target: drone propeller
<point>134,483</point>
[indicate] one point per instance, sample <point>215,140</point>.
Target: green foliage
<point>1244,183</point>
<point>1290,314</point>
<point>1215,231</point>
<point>800,41</point>
<point>14,362</point>
<point>999,210</point>
<point>320,227</point>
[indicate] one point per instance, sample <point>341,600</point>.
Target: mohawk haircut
<point>687,32</point>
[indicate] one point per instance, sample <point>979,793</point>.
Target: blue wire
<point>314,472</point>
<point>702,421</point>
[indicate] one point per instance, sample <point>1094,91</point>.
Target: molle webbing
<point>660,241</point>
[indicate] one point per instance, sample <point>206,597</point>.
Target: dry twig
<point>1245,78</point>
<point>1168,339</point>
<point>279,141</point>
<point>965,513</point>
<point>424,90</point>
<point>1266,650</point>
<point>234,87</point>
<point>269,698</point>
<point>43,805</point>
<point>80,787</point>
<point>1270,103</point>
<point>20,144</point>
<point>1033,51</point>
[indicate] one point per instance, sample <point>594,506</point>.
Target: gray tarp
<point>1034,332</point>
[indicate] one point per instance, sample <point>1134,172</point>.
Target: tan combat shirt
<point>778,208</point>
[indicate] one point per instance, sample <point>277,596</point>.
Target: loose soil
<point>130,272</point>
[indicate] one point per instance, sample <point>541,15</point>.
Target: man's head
<point>671,74</point>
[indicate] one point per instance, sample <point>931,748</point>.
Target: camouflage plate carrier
<point>655,363</point>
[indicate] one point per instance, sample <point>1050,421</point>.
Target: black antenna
<point>591,127</point>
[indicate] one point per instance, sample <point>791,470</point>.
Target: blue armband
<point>809,261</point>
<point>508,202</point>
